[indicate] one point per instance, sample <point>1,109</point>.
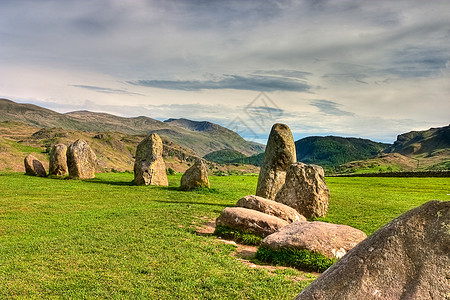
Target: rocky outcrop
<point>58,160</point>
<point>81,160</point>
<point>196,176</point>
<point>270,207</point>
<point>279,154</point>
<point>330,240</point>
<point>406,259</point>
<point>149,167</point>
<point>34,167</point>
<point>305,190</point>
<point>249,220</point>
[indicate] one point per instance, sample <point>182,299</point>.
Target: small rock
<point>250,220</point>
<point>34,167</point>
<point>195,176</point>
<point>270,207</point>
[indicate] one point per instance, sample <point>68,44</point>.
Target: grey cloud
<point>253,83</point>
<point>330,108</point>
<point>284,73</point>
<point>105,90</point>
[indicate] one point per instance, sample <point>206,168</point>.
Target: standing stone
<point>305,190</point>
<point>279,154</point>
<point>195,176</point>
<point>149,167</point>
<point>406,259</point>
<point>58,160</point>
<point>34,167</point>
<point>81,160</point>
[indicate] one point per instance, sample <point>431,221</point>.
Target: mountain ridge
<point>201,142</point>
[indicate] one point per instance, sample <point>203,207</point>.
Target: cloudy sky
<point>370,69</point>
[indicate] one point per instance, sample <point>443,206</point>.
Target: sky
<point>369,69</point>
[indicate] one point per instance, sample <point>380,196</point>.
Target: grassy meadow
<point>106,238</point>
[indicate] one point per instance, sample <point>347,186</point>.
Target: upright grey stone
<point>34,167</point>
<point>279,154</point>
<point>81,160</point>
<point>149,166</point>
<point>305,190</point>
<point>406,259</point>
<point>58,160</point>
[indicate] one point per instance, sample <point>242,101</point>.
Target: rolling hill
<point>331,151</point>
<point>200,137</point>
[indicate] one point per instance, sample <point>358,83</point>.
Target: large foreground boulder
<point>279,154</point>
<point>330,240</point>
<point>409,258</point>
<point>58,160</point>
<point>305,190</point>
<point>149,166</point>
<point>33,166</point>
<point>81,160</point>
<point>270,207</point>
<point>250,221</point>
<point>196,176</point>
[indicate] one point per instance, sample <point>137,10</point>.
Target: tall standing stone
<point>195,176</point>
<point>305,190</point>
<point>81,160</point>
<point>34,167</point>
<point>149,167</point>
<point>279,154</point>
<point>58,160</point>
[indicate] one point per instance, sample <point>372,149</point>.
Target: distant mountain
<point>331,151</point>
<point>200,137</point>
<point>427,142</point>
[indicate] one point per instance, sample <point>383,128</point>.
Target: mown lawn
<point>106,238</point>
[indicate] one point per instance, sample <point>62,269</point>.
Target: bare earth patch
<point>245,252</point>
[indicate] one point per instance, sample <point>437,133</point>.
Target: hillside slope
<point>422,142</point>
<point>330,151</point>
<point>211,137</point>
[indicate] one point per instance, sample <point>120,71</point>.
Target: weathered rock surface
<point>149,166</point>
<point>58,160</point>
<point>250,220</point>
<point>279,154</point>
<point>409,258</point>
<point>305,190</point>
<point>33,166</point>
<point>330,240</point>
<point>195,176</point>
<point>81,160</point>
<point>270,207</point>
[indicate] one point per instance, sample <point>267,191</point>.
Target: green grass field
<point>106,238</point>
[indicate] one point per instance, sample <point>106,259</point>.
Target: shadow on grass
<point>191,202</point>
<point>111,182</point>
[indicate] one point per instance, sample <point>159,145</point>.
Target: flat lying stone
<point>270,207</point>
<point>250,220</point>
<point>330,240</point>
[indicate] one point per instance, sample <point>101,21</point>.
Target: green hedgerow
<point>246,238</point>
<point>301,259</point>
